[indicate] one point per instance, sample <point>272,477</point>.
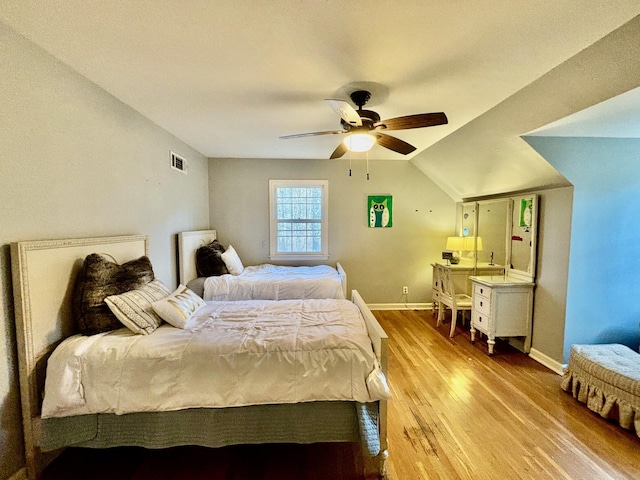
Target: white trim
<point>399,306</point>
<point>297,256</point>
<point>20,475</point>
<point>547,361</point>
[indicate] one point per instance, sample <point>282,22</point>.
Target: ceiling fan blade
<point>313,134</point>
<point>339,151</point>
<point>345,111</point>
<point>413,121</point>
<point>395,144</point>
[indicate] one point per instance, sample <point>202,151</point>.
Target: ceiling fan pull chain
<point>349,163</point>
<point>367,165</point>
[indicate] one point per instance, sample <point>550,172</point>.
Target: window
<point>298,220</point>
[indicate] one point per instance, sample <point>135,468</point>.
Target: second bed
<point>256,282</point>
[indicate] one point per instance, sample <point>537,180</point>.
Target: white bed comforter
<point>275,282</point>
<point>230,354</point>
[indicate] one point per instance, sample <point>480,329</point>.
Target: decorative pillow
<point>232,261</point>
<point>178,307</point>
<point>99,279</point>
<point>197,286</point>
<point>133,308</point>
<point>209,261</point>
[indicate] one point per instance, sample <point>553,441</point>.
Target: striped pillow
<point>133,308</point>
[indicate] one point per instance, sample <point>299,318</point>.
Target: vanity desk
<point>461,272</point>
<point>502,307</point>
<point>505,229</point>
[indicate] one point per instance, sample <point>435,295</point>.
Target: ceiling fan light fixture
<point>359,142</point>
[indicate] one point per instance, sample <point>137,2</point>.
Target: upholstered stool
<point>607,379</point>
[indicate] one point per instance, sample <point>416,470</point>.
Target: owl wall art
<point>380,211</point>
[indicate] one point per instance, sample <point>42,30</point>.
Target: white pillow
<point>133,308</point>
<point>232,261</point>
<point>178,307</point>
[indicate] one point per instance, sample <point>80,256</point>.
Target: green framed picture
<point>380,211</point>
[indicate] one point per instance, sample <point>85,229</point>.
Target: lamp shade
<point>470,243</point>
<point>359,142</point>
<point>455,243</point>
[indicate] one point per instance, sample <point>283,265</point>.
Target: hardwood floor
<point>456,414</point>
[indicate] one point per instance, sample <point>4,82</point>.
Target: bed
<point>43,276</point>
<point>264,281</point>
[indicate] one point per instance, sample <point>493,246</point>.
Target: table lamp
<point>455,244</point>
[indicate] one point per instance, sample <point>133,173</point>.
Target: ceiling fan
<point>365,127</point>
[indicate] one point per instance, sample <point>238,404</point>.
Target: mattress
<point>276,282</point>
<point>234,353</point>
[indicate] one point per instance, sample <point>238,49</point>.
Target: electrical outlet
<point>405,290</point>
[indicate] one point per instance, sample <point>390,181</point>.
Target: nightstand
<point>502,307</point>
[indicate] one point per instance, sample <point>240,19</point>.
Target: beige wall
<point>550,301</point>
<point>379,261</point>
<point>76,162</point>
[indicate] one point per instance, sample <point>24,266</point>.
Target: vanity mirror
<point>468,227</point>
<point>492,228</point>
<point>502,232</point>
<point>524,227</point>
<point>485,226</point>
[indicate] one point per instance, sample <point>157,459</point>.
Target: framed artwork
<point>380,211</point>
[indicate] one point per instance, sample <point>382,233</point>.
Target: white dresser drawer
<point>482,305</point>
<point>481,291</point>
<point>480,321</point>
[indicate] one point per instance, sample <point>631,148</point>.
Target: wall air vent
<point>178,163</point>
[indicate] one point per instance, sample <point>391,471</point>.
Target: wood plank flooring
<point>456,414</point>
<point>460,414</point>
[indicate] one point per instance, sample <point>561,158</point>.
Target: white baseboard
<point>547,361</point>
<point>20,475</point>
<point>399,306</point>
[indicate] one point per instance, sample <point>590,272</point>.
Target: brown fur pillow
<point>209,261</point>
<point>100,278</point>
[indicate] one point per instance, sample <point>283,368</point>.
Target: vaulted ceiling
<point>230,77</point>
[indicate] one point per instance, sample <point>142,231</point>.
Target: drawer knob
<point>481,303</point>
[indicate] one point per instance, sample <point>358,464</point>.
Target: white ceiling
<point>230,77</point>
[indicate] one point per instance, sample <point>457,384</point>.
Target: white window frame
<point>273,220</point>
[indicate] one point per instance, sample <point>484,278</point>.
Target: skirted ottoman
<point>607,379</point>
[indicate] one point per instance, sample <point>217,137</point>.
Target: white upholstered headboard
<point>188,243</point>
<point>44,274</point>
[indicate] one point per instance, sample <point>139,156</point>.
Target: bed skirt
<point>312,422</point>
<point>607,379</point>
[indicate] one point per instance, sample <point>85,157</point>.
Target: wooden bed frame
<point>188,243</point>
<point>44,274</point>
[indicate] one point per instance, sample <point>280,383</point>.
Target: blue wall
<point>603,297</point>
